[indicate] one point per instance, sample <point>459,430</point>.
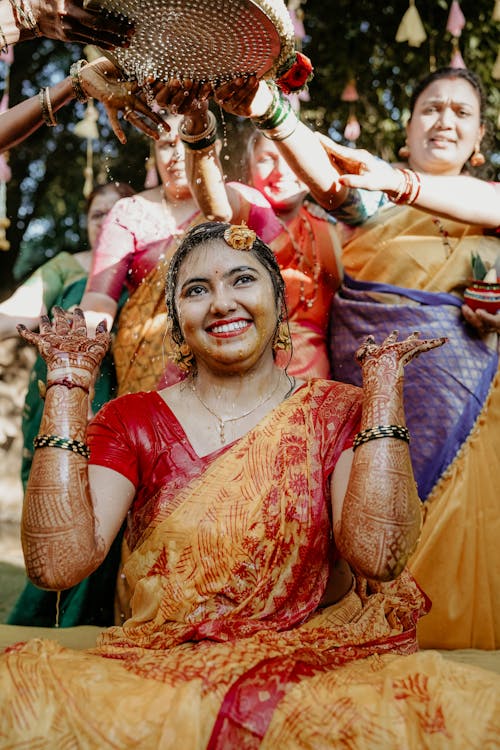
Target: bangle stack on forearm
<point>279,121</point>
<point>203,140</point>
<point>76,80</point>
<point>409,189</point>
<point>25,18</point>
<point>46,107</point>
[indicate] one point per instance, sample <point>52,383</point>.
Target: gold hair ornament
<point>240,237</point>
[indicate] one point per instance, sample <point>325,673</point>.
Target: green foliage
<point>345,40</point>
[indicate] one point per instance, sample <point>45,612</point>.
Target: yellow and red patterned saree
<point>228,645</point>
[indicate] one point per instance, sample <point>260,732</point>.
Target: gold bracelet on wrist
<point>76,80</point>
<point>199,141</point>
<point>25,17</point>
<point>46,106</point>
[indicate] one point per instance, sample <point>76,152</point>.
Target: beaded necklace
<point>445,236</point>
<point>303,264</point>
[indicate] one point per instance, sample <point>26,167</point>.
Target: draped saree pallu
<point>228,645</point>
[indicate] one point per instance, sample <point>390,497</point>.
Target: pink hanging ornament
<point>352,129</point>
<point>457,61</point>
<point>350,92</point>
<point>456,19</point>
<point>411,28</point>
<point>5,170</point>
<point>295,14</point>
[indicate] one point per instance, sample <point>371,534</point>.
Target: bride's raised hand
<point>390,357</point>
<point>70,354</point>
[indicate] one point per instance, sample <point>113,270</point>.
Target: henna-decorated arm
<point>378,524</point>
<point>68,526</point>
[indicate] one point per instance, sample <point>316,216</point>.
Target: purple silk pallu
<point>444,391</point>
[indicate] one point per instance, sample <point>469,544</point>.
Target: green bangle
<point>381,431</point>
<point>55,441</point>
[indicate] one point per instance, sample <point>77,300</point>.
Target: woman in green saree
<point>61,282</point>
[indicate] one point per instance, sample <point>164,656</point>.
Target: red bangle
<point>410,191</point>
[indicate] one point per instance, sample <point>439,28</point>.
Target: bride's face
<point>226,306</point>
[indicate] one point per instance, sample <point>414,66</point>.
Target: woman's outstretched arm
<point>71,512</point>
<point>376,509</point>
<point>457,197</point>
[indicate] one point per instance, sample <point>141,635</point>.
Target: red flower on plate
<point>299,71</point>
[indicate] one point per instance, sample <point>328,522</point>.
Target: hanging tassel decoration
<point>411,28</point>
<point>454,25</point>
<point>350,92</point>
<point>352,129</point>
<point>496,68</point>
<point>456,19</point>
<point>87,128</point>
<point>456,61</point>
<point>496,11</point>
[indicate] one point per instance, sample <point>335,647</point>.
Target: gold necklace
<point>222,421</point>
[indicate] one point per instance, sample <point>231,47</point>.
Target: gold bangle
<point>192,138</point>
<point>76,80</point>
<point>25,16</point>
<point>46,106</point>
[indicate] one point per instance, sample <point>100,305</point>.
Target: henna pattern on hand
<point>61,543</point>
<point>381,516</point>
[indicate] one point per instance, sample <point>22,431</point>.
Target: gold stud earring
<point>404,152</point>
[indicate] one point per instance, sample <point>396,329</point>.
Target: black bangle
<point>201,144</point>
<point>55,441</point>
<point>381,431</point>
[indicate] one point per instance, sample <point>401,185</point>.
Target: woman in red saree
<point>269,523</point>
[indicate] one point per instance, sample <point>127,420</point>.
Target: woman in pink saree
<point>269,523</point>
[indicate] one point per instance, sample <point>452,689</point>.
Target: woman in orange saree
<point>243,531</point>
